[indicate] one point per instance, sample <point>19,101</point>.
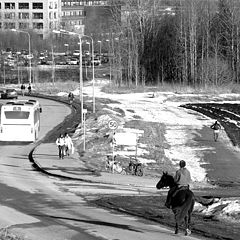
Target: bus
<point>20,121</point>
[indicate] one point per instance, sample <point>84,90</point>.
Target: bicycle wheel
<point>139,172</point>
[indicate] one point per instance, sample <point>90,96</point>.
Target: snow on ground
<point>181,128</point>
<point>180,125</point>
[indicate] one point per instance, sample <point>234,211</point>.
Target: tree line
<point>190,42</point>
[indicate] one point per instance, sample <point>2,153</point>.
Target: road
<point>35,206</point>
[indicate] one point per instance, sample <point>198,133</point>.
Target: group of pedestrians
<point>23,89</point>
<point>65,145</point>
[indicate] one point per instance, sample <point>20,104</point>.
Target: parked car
<point>95,61</point>
<point>61,60</point>
<point>72,61</point>
<point>9,94</point>
<point>76,53</point>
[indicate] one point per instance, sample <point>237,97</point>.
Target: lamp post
<point>29,52</point>
<point>84,129</point>
<point>80,36</point>
<point>80,66</point>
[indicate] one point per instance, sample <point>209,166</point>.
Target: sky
<point>181,128</point>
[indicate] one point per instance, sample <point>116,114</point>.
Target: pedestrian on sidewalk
<point>29,89</point>
<point>216,128</point>
<point>61,146</point>
<point>68,144</point>
<point>70,98</point>
<point>22,89</point>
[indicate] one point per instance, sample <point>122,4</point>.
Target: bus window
<point>16,114</point>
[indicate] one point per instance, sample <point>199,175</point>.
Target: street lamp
<point>80,66</point>
<point>84,129</point>
<point>29,52</point>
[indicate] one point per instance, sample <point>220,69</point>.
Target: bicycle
<point>135,168</point>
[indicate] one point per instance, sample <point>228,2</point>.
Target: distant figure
<point>216,128</point>
<point>29,89</point>
<point>61,146</point>
<point>68,144</point>
<point>182,178</point>
<point>23,89</point>
<point>70,98</point>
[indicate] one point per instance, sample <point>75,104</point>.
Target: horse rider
<point>182,179</point>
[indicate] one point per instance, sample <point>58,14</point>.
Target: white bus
<point>20,121</point>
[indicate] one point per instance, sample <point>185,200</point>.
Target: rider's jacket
<point>182,177</point>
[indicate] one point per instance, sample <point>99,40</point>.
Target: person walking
<point>68,144</point>
<point>29,89</point>
<point>61,146</point>
<point>70,98</point>
<point>182,179</point>
<point>23,89</point>
<point>216,129</point>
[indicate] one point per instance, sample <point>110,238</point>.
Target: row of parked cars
<point>8,93</point>
<point>63,60</point>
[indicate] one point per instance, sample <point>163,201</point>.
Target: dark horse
<point>182,202</point>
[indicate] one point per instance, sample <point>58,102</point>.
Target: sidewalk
<point>71,167</point>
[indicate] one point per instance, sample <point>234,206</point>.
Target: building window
<point>23,15</point>
<point>38,25</point>
<point>51,5</point>
<point>23,5</point>
<point>9,5</point>
<point>0,5</point>
<point>9,15</point>
<point>37,5</point>
<point>9,25</point>
<point>55,15</point>
<point>41,36</point>
<point>23,25</point>
<point>37,15</point>
<point>0,25</point>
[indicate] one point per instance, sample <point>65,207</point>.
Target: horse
<point>182,202</point>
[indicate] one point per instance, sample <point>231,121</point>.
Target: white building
<point>40,16</point>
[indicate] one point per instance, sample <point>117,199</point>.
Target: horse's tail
<point>187,206</point>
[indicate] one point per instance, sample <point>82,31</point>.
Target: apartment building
<point>74,13</point>
<point>40,16</point>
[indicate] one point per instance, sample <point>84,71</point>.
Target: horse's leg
<point>176,228</point>
<point>187,223</point>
